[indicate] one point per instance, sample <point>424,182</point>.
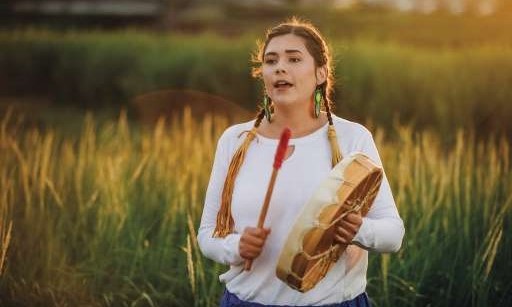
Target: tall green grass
<point>456,204</point>
<point>432,88</point>
<point>108,217</point>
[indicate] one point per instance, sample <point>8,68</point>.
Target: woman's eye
<point>270,61</point>
<point>294,60</point>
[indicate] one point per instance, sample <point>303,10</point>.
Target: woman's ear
<point>321,75</point>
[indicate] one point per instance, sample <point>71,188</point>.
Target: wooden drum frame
<point>309,251</point>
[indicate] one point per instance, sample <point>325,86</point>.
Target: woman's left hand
<point>347,228</point>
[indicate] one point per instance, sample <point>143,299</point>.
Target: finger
<point>344,234</point>
<point>340,239</point>
<point>247,255</point>
<point>250,230</point>
<point>249,233</point>
<point>252,250</point>
<point>351,228</point>
<point>354,221</point>
<point>256,241</point>
<point>353,218</point>
<point>252,240</point>
<point>257,232</point>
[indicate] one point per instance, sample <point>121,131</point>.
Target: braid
<point>259,118</point>
<point>225,222</point>
<point>331,136</point>
<point>327,108</point>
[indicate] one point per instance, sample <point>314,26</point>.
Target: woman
<point>295,66</point>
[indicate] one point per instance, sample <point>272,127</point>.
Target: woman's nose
<point>280,67</point>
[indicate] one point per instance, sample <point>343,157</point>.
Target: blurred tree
<point>174,8</point>
<point>292,3</point>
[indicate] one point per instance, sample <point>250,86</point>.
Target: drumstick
<point>278,160</point>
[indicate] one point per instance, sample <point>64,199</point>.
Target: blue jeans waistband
<point>231,300</point>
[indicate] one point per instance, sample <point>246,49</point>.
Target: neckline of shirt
<point>313,136</point>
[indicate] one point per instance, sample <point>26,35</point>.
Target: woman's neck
<point>300,122</point>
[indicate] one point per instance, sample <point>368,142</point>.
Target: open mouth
<point>281,84</point>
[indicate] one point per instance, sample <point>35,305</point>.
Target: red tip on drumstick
<point>281,148</point>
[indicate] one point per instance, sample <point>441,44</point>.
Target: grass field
<point>436,87</point>
<point>98,210</point>
<point>108,217</point>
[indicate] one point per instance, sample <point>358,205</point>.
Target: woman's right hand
<point>252,241</point>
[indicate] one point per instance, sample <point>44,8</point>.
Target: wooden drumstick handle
<point>278,161</point>
<point>264,209</point>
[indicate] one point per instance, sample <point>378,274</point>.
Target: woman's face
<point>289,71</point>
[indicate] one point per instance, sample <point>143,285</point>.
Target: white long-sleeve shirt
<point>382,229</point>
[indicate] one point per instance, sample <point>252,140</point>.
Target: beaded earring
<point>318,101</point>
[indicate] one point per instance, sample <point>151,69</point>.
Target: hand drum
<point>309,251</point>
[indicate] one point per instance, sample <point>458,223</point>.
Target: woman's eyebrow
<point>271,53</point>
